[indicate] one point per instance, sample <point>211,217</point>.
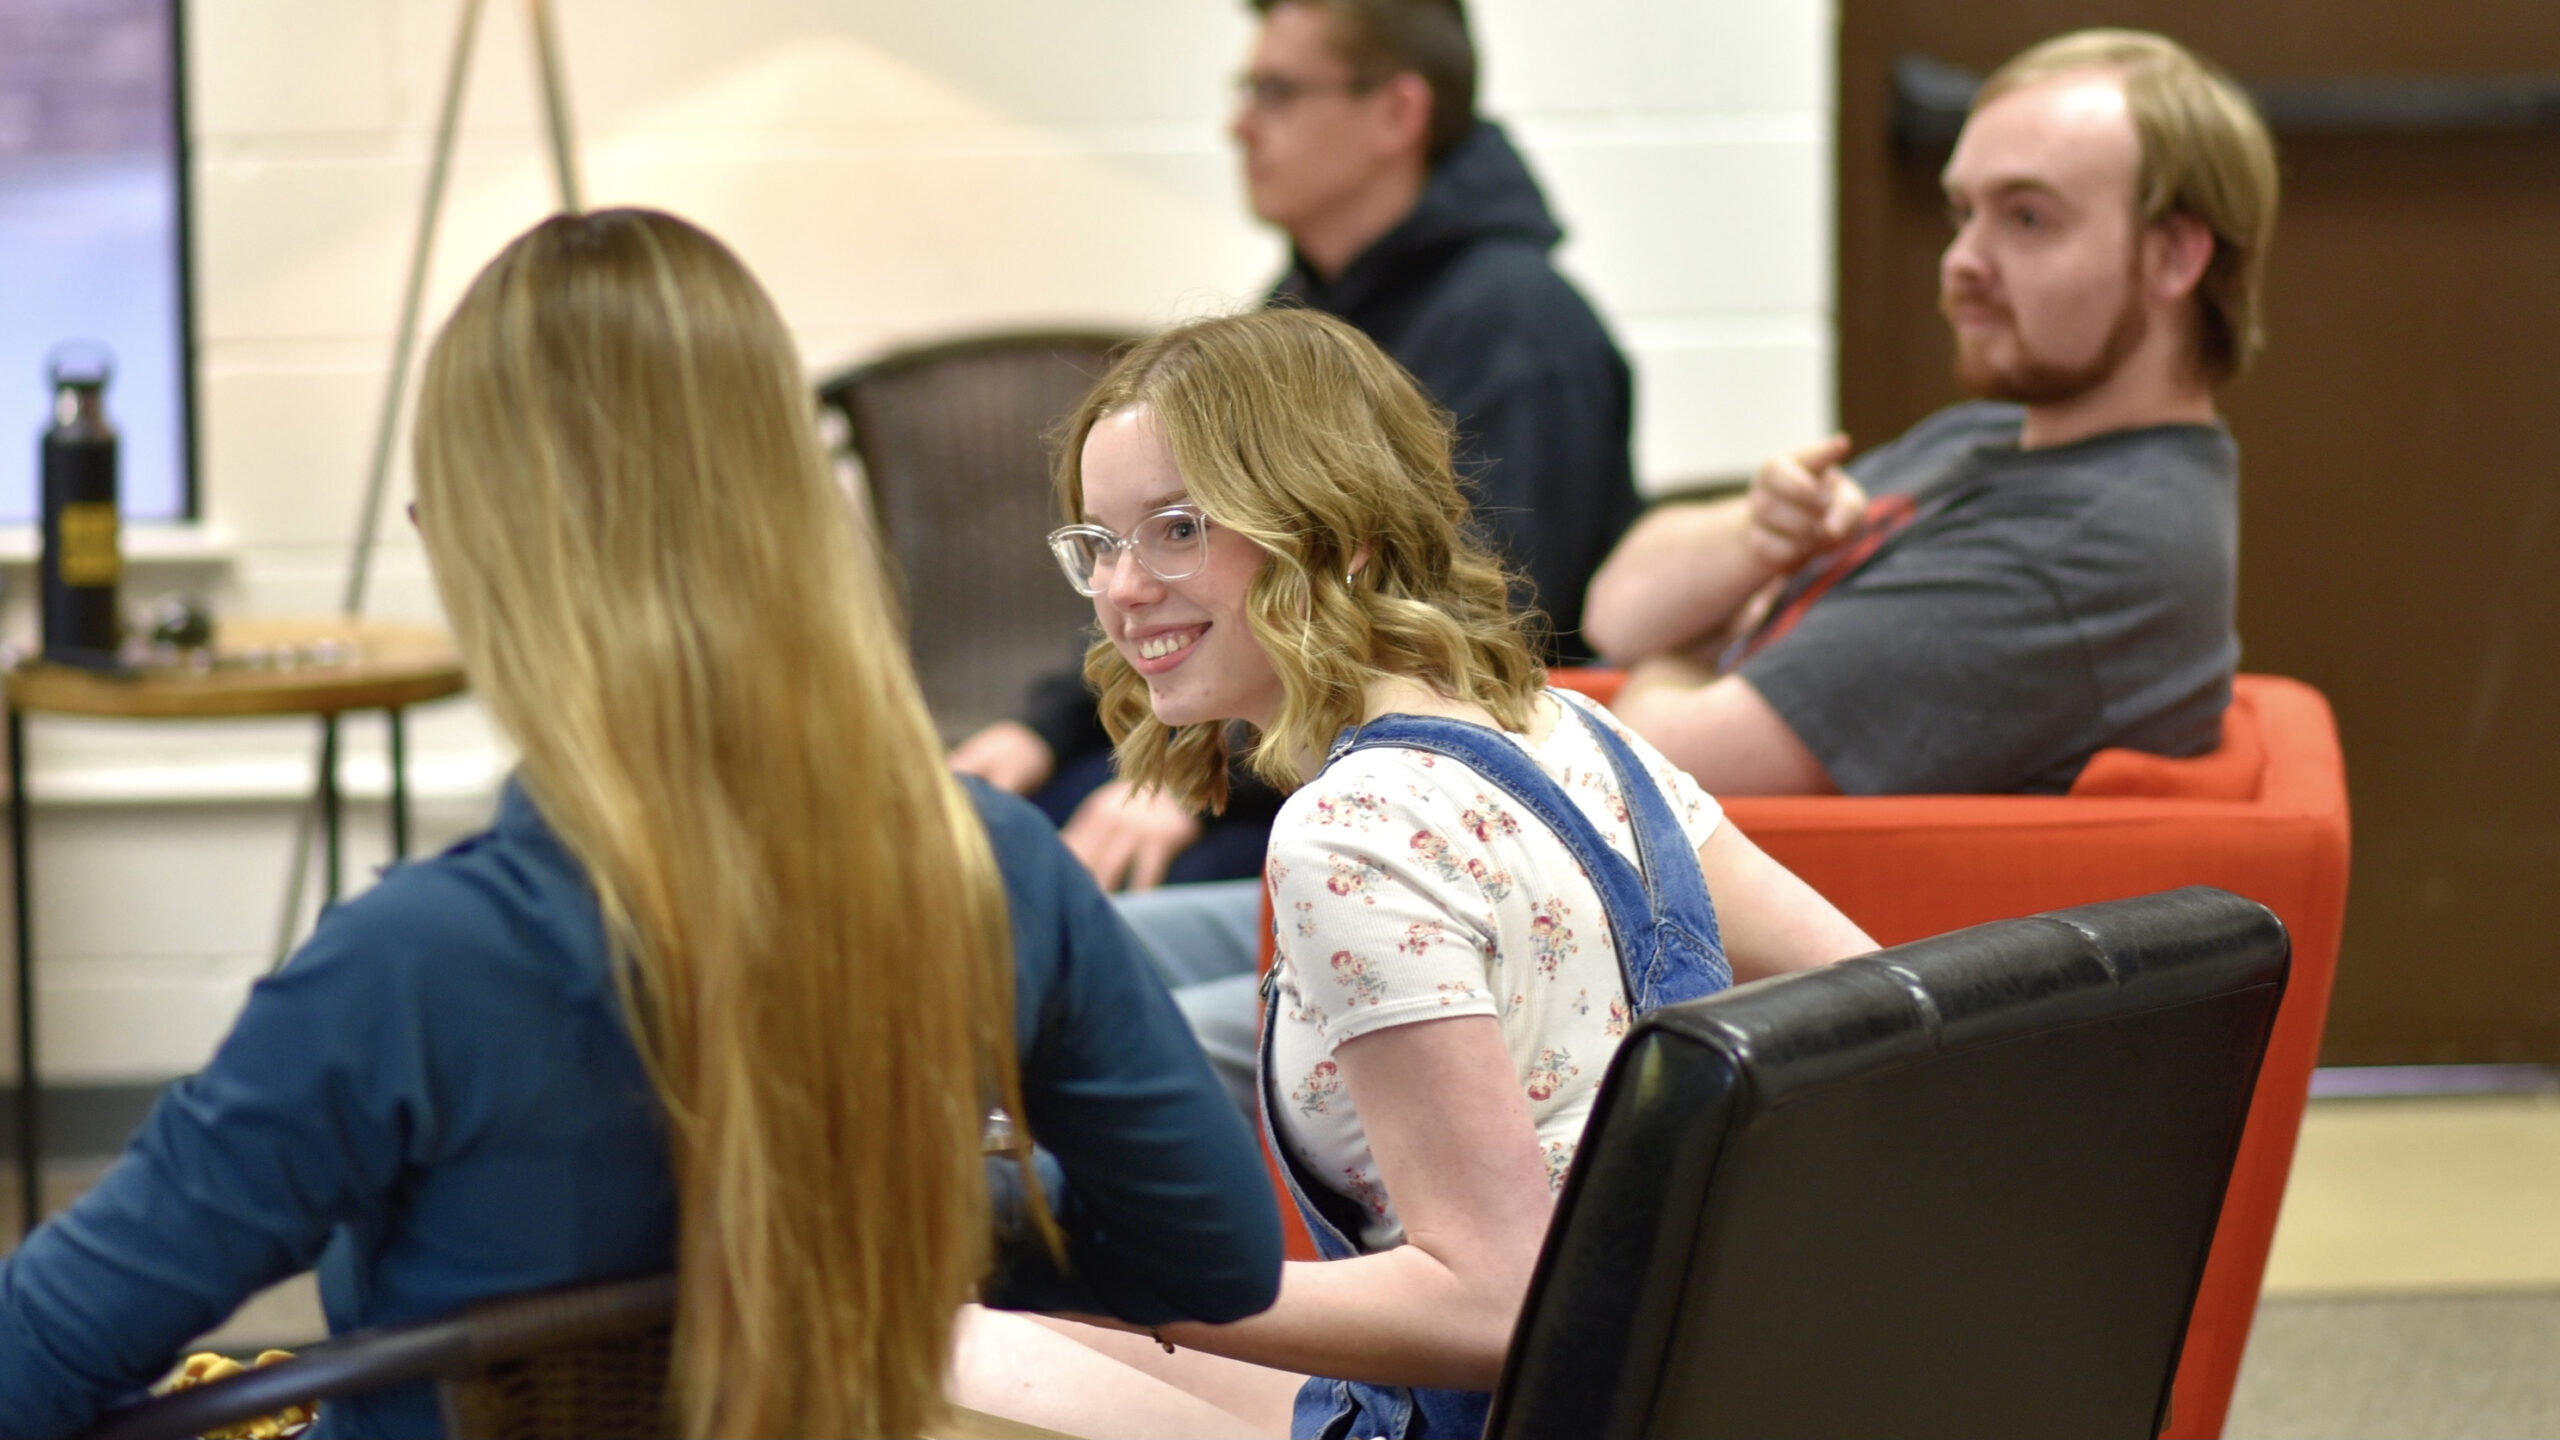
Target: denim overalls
<point>1668,951</point>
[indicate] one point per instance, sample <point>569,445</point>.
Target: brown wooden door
<point>2400,514</point>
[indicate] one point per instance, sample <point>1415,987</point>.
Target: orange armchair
<point>2264,816</point>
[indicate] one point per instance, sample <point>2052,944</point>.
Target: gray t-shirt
<point>2009,612</point>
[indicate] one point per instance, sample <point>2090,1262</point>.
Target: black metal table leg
<point>329,803</point>
<point>30,1093</point>
<point>399,782</point>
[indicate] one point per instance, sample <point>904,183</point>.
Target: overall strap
<point>1678,890</point>
<point>1686,959</point>
<point>1669,948</point>
<point>1622,889</point>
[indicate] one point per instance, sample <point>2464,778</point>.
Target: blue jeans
<point>1204,940</point>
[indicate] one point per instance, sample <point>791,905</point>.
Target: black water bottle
<point>83,561</point>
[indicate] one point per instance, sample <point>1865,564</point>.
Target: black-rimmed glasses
<point>1171,544</point>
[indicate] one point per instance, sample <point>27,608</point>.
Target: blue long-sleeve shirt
<point>438,1101</point>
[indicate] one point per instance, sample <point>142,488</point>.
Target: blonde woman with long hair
<point>1478,881</point>
<point>730,984</point>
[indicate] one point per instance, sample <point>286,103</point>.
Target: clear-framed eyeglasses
<point>1267,93</point>
<point>1171,544</point>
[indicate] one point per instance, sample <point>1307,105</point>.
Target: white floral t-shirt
<point>1406,887</point>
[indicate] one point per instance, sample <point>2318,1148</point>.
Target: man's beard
<point>2030,380</point>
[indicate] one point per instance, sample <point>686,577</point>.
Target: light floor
<point>2428,1195</point>
<point>2414,1289</point>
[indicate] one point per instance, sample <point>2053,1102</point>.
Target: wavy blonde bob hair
<point>1293,430</point>
<point>664,600</point>
<point>2205,153</point>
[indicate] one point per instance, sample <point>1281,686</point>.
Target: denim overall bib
<point>1669,950</point>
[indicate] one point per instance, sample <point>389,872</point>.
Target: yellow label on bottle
<point>89,554</point>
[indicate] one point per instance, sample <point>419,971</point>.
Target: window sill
<point>467,779</point>
<point>155,544</point>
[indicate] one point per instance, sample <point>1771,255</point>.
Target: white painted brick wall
<point>894,171</point>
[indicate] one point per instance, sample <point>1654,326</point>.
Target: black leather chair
<point>1960,1187</point>
<point>586,1362</point>
<point>953,441</point>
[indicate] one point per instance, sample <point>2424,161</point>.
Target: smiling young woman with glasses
<point>1453,876</point>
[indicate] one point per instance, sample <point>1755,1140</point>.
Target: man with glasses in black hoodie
<point>1414,219</point>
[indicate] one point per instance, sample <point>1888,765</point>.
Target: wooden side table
<point>368,665</point>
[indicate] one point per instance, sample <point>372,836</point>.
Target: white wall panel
<point>1653,57</point>
<point>135,1022</point>
<point>303,436</point>
<point>1678,226</point>
<point>293,247</point>
<point>1094,61</point>
<point>1715,399</point>
<point>152,921</point>
<point>1683,55</point>
<point>252,74</point>
<point>1535,57</point>
<point>311,578</point>
<point>920,243</point>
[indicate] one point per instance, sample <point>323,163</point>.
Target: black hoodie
<point>1462,294</point>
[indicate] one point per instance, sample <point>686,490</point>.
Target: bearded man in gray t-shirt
<point>2008,587</point>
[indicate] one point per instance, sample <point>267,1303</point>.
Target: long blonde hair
<point>662,597</point>
<point>1295,431</point>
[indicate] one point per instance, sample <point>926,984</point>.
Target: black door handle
<point>1930,98</point>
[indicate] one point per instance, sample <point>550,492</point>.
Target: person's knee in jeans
<point>1204,940</point>
<point>1196,933</point>
<point>1226,1018</point>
